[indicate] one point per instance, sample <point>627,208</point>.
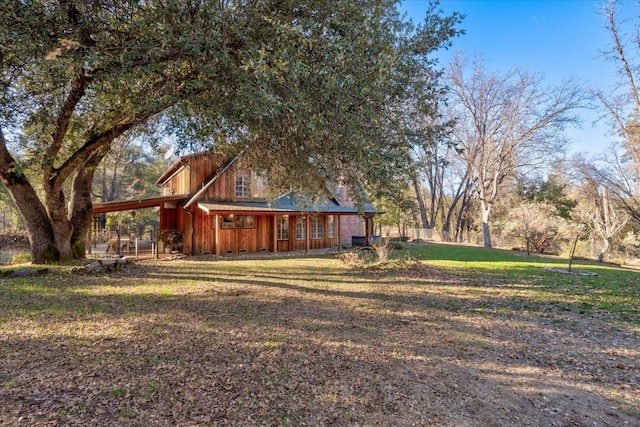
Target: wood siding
<point>202,232</point>
<point>232,240</point>
<point>260,238</point>
<point>198,171</point>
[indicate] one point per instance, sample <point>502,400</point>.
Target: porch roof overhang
<point>281,209</point>
<point>125,205</point>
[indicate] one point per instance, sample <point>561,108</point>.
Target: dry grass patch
<point>307,342</point>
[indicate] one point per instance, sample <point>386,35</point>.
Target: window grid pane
<point>331,227</point>
<point>317,230</point>
<point>227,222</point>
<point>249,221</point>
<point>243,182</point>
<point>239,221</point>
<point>283,228</point>
<point>301,228</point>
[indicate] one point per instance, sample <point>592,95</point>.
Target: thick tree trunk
<point>605,248</point>
<point>59,220</point>
<point>81,221</point>
<point>446,231</point>
<point>81,213</point>
<point>80,205</point>
<point>486,235</point>
<point>424,220</point>
<point>41,234</point>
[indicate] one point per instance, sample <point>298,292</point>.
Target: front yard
<point>465,337</point>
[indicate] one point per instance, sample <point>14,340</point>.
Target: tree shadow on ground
<point>253,348</point>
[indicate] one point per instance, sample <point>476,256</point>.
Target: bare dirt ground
<point>309,343</point>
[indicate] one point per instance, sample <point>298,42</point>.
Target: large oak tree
<point>300,86</point>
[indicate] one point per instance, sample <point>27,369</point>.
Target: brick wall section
<point>350,225</point>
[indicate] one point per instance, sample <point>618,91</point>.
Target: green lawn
<point>463,336</point>
<point>614,289</point>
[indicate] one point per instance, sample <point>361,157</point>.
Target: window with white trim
<point>301,228</point>
<point>282,229</point>
<point>331,227</point>
<point>243,184</point>
<point>317,227</point>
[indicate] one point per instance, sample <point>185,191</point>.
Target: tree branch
<point>62,123</point>
<point>99,141</point>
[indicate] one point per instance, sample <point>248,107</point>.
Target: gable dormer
<point>176,183</point>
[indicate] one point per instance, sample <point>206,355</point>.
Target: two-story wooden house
<point>220,206</point>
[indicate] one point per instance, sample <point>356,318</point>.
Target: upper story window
<point>258,185</point>
<point>243,184</point>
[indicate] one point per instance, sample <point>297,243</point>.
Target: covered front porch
<point>224,232</point>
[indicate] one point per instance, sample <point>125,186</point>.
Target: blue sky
<point>558,38</point>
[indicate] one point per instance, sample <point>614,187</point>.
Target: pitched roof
<point>175,167</point>
<point>287,203</point>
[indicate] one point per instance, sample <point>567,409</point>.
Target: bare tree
<point>601,215</point>
<point>623,109</point>
<point>538,224</point>
<point>430,155</point>
<point>603,219</point>
<point>460,187</point>
<point>507,122</point>
<point>615,171</point>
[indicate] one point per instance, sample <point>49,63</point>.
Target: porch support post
<point>92,234</point>
<point>367,218</point>
<point>275,234</point>
<point>216,233</point>
<point>339,234</point>
<point>307,219</point>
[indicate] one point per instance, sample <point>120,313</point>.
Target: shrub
<point>20,258</point>
<point>358,257</point>
<point>11,240</point>
<point>350,259</point>
<point>395,246</point>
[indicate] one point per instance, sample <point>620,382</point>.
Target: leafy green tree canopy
<point>550,190</point>
<point>300,86</point>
